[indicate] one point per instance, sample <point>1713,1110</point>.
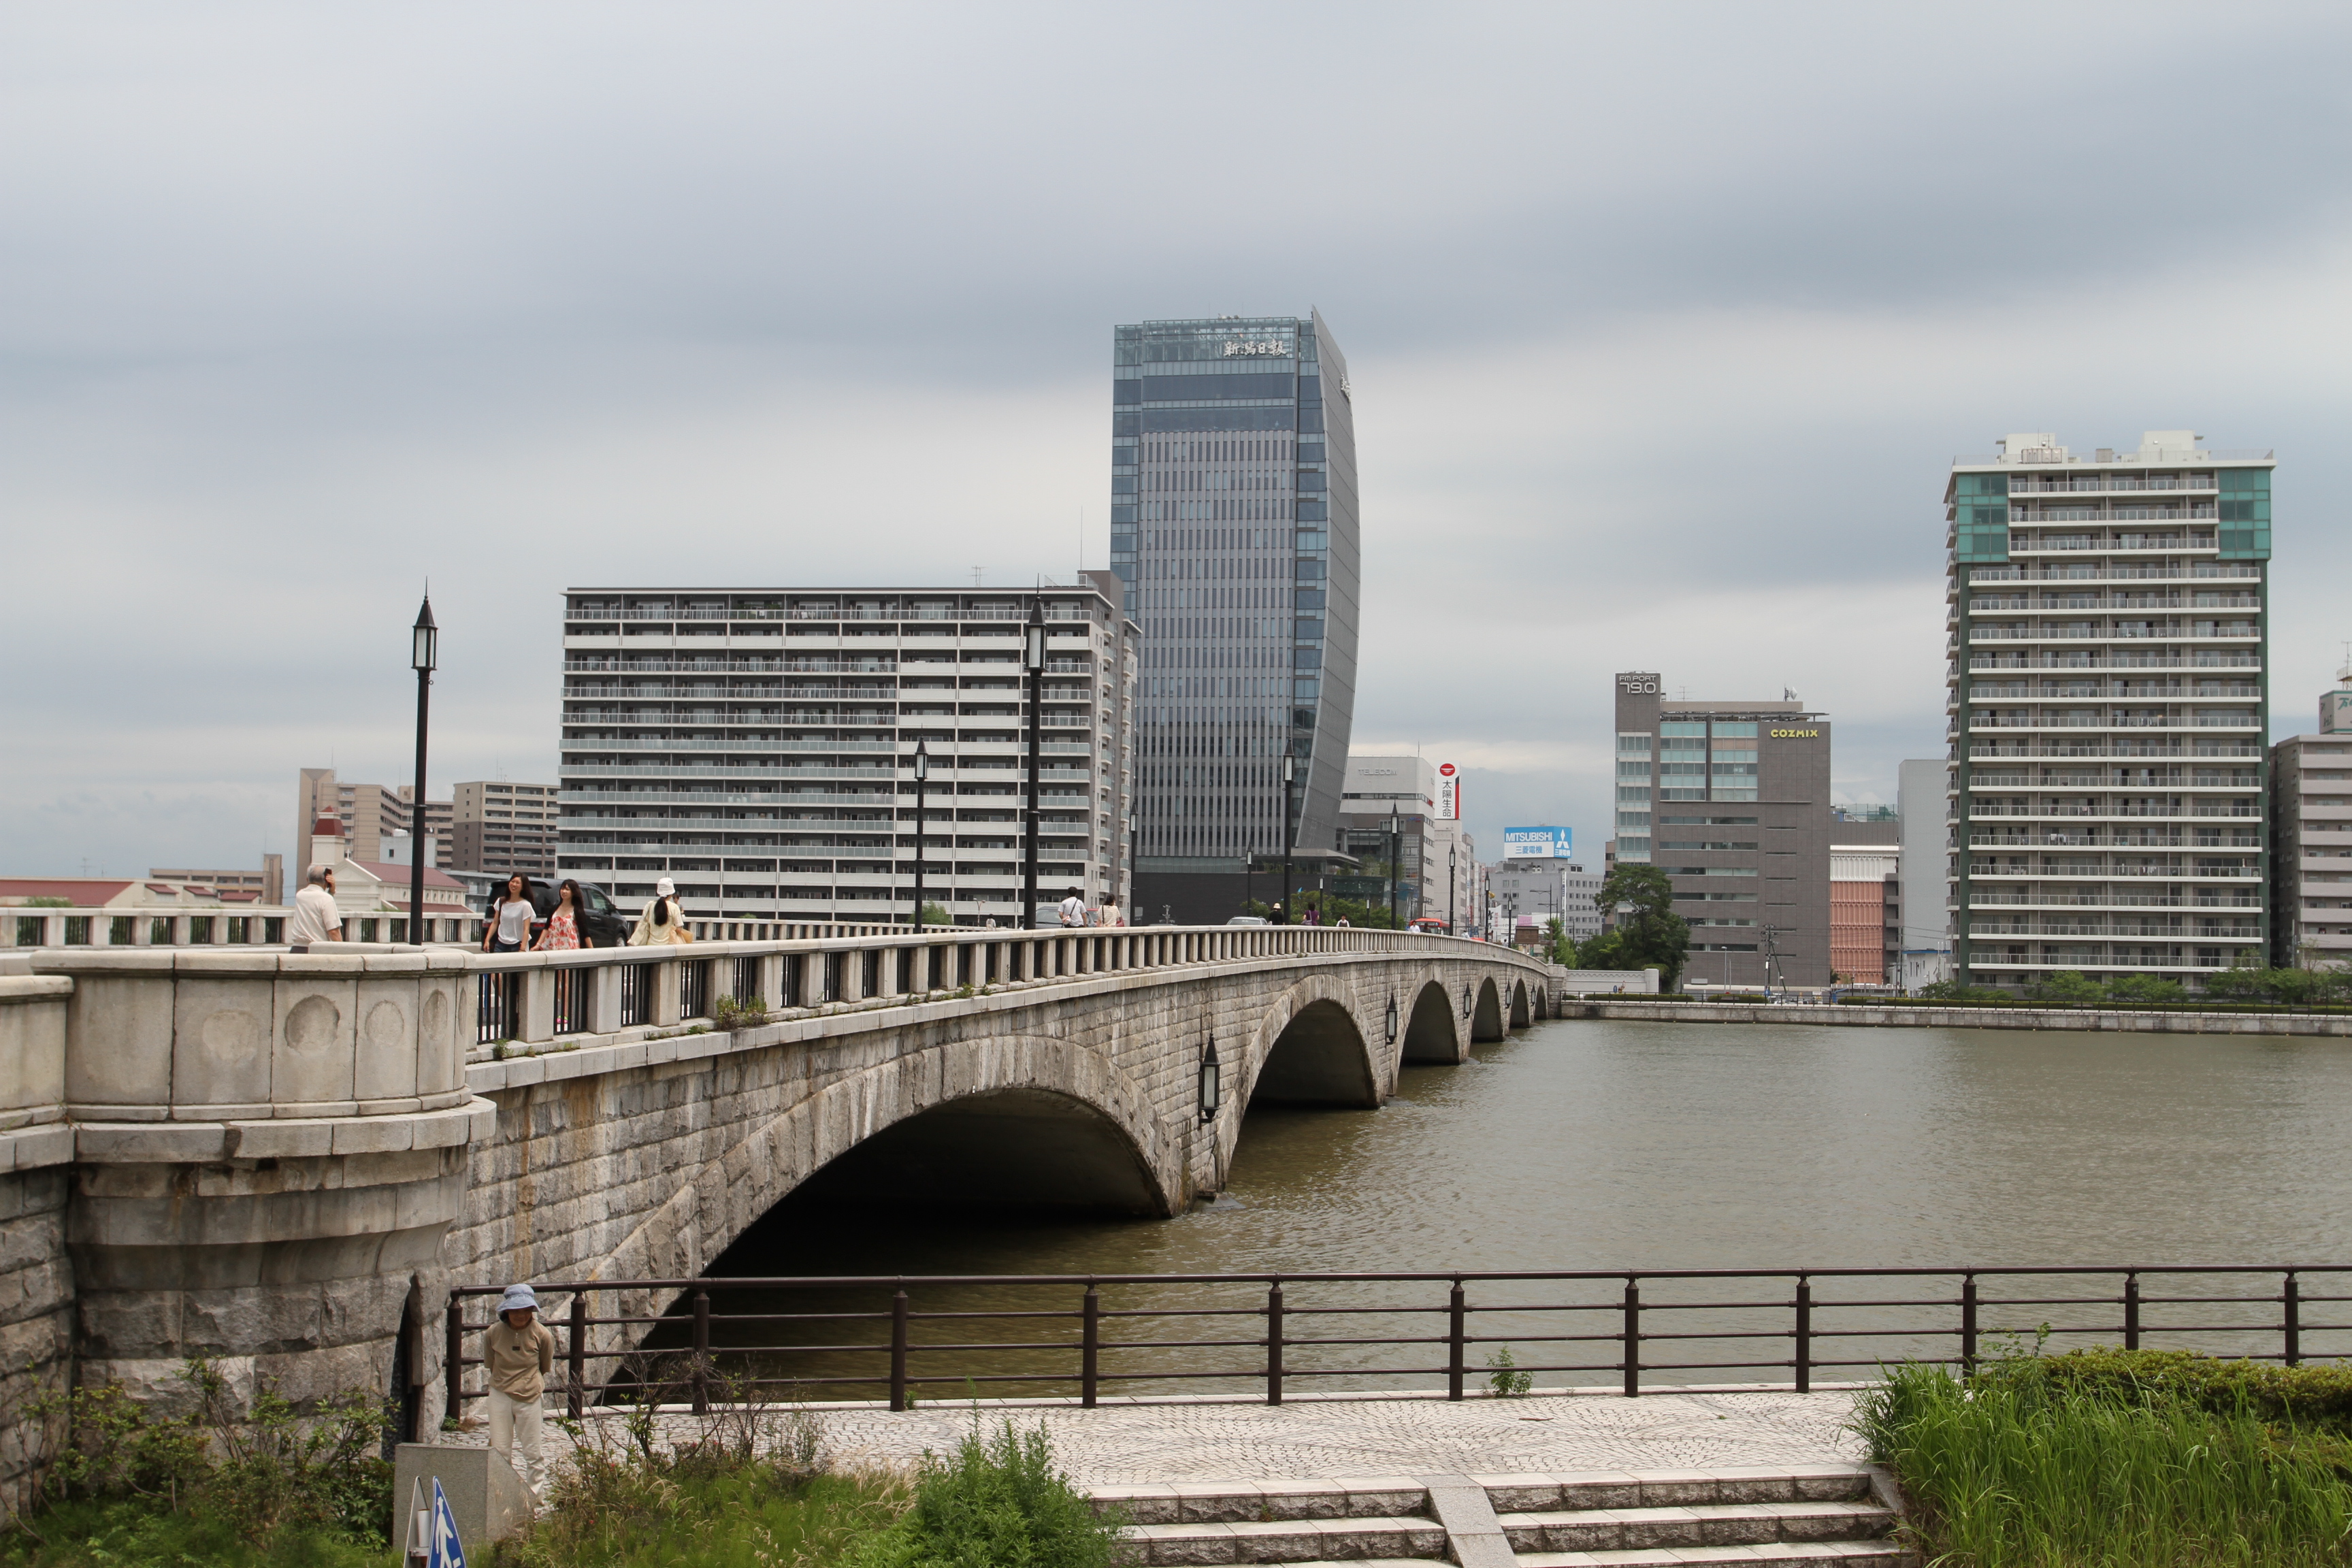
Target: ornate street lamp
<point>1033,656</point>
<point>1289,774</point>
<point>425,654</point>
<point>1465,1001</point>
<point>1210,1089</point>
<point>1450,850</point>
<point>922,800</point>
<point>1392,1018</point>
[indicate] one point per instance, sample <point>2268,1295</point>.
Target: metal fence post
<point>2291,1298</point>
<point>2131,1312</point>
<point>1456,1342</point>
<point>1967,1323</point>
<point>576,1351</point>
<point>1089,1347</point>
<point>1274,1344</point>
<point>899,1350</point>
<point>1804,1335</point>
<point>452,1353</point>
<point>701,1352</point>
<point>1633,1339</point>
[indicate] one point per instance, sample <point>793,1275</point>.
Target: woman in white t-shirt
<point>511,918</point>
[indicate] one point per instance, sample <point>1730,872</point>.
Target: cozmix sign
<point>1449,792</point>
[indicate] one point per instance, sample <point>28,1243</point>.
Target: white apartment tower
<point>757,746</point>
<point>2105,707</point>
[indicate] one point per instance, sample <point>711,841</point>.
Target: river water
<point>1583,1144</point>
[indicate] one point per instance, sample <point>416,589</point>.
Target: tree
<point>1648,930</point>
<point>2145,988</point>
<point>2069,985</point>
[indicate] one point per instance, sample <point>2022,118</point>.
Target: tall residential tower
<point>2105,700</point>
<point>1233,528</point>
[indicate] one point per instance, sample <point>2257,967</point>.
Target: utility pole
<point>1772,958</point>
<point>1033,654</point>
<point>1394,841</point>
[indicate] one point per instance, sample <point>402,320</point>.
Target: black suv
<point>602,924</point>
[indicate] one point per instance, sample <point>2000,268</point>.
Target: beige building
<point>498,825</point>
<point>368,813</point>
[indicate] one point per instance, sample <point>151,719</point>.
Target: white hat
<point>517,1299</point>
<point>664,888</point>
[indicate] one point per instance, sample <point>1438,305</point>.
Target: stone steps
<point>1686,1518</point>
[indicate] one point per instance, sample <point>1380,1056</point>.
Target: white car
<point>1248,921</point>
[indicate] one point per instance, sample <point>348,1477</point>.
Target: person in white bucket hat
<point>517,1353</point>
<point>663,919</point>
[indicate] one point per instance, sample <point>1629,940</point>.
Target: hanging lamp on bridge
<point>1392,1018</point>
<point>1210,1086</point>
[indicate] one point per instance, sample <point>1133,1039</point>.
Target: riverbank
<point>1864,1016</point>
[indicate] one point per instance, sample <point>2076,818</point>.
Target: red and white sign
<point>1449,794</point>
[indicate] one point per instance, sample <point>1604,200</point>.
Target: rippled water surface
<point>1600,1145</point>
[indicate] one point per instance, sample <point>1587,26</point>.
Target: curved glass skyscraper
<point>1234,527</point>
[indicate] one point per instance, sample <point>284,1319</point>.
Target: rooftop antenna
<point>1789,696</point>
<point>2344,670</point>
<point>975,576</point>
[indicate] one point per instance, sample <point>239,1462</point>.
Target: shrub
<point>1506,1381</point>
<point>2144,988</point>
<point>2108,1457</point>
<point>749,1013</point>
<point>995,1502</point>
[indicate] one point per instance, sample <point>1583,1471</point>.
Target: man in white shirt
<point>1073,909</point>
<point>316,918</point>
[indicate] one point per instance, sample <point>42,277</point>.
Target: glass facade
<point>1234,530</point>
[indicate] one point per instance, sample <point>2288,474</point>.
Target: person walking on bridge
<point>664,921</point>
<point>1073,909</point>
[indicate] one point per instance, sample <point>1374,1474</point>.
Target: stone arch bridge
<point>283,1159</point>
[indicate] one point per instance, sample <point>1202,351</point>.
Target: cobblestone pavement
<point>1331,1439</point>
<point>1117,1444</point>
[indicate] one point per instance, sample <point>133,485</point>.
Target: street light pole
<point>1391,865</point>
<point>1452,875</point>
<point>424,639</point>
<point>1289,773</point>
<point>1032,655</point>
<point>922,800</point>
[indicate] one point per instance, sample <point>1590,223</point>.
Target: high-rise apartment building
<point>2311,839</point>
<point>1233,531</point>
<point>758,746</point>
<point>499,826</point>
<point>368,811</point>
<point>1731,800</point>
<point>2107,625</point>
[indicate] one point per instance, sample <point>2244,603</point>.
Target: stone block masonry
<point>281,1161</point>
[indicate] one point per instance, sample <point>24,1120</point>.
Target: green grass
<point>735,1516</point>
<point>2019,1467</point>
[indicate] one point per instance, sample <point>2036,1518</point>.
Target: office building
<point>2105,697</point>
<point>1865,911</point>
<point>1233,534</point>
<point>1731,801</point>
<point>2311,848</point>
<point>1437,861</point>
<point>499,826</point>
<point>367,812</point>
<point>757,747</point>
<point>1923,808</point>
<point>1537,891</point>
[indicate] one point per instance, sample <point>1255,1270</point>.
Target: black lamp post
<point>425,650</point>
<point>1289,773</point>
<point>1032,655</point>
<point>1392,1018</point>
<point>1210,1086</point>
<point>922,801</point>
<point>1395,840</point>
<point>1452,849</point>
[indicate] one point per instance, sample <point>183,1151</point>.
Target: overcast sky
<point>1663,322</point>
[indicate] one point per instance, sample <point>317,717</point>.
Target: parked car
<point>602,924</point>
<point>1248,921</point>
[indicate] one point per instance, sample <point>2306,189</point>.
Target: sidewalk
<point>1145,1444</point>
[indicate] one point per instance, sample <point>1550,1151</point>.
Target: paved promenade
<point>1357,1437</point>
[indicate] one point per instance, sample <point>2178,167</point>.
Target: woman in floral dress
<point>562,933</point>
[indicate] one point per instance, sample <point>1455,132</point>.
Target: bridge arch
<point>1430,1033</point>
<point>1486,1017</point>
<point>1309,1048</point>
<point>1091,1120</point>
<point>1520,1014</point>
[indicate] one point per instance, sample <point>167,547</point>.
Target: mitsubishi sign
<point>1537,844</point>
